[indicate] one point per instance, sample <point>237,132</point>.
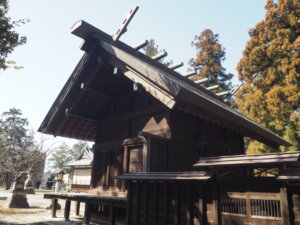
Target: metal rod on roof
<point>175,66</point>
<point>159,56</point>
<point>141,45</point>
<point>223,93</point>
<point>212,87</point>
<point>201,81</point>
<point>190,74</point>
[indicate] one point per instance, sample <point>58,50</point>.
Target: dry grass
<point>4,211</point>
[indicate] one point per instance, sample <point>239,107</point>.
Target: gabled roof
<point>84,159</point>
<point>170,88</point>
<point>250,160</point>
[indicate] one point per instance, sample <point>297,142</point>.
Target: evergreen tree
<point>208,61</point>
<point>152,49</point>
<point>270,70</point>
<point>64,154</point>
<point>9,38</point>
<point>18,150</point>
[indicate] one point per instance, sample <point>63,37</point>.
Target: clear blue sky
<point>52,52</point>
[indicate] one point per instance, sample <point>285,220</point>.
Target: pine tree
<point>208,61</point>
<point>152,49</point>
<point>270,70</point>
<point>9,38</point>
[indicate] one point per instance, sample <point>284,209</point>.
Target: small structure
<point>19,199</point>
<point>82,170</point>
<point>29,186</point>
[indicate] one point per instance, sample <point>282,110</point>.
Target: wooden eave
<point>170,176</point>
<point>249,160</point>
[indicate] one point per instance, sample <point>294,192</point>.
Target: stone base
<point>30,191</point>
<point>18,199</point>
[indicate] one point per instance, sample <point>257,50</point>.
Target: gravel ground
<point>37,213</point>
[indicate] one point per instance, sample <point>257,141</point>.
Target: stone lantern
<point>58,179</point>
<point>29,186</point>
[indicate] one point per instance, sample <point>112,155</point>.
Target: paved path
<point>37,213</point>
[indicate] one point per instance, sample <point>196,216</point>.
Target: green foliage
<point>270,69</point>
<point>18,151</point>
<point>209,58</point>
<point>152,49</point>
<point>9,38</point>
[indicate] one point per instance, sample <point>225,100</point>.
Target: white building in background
<point>81,171</point>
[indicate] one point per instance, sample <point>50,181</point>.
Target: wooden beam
<point>201,81</point>
<point>129,204</point>
<point>112,219</point>
<point>155,91</point>
<point>123,27</point>
<point>87,88</point>
<point>159,56</point>
<point>67,210</point>
<point>69,112</point>
<point>223,93</point>
<point>77,208</point>
<point>212,87</point>
<point>141,45</point>
<point>132,114</point>
<point>190,74</point>
<point>284,206</point>
<point>87,213</point>
<point>175,66</point>
<point>54,207</point>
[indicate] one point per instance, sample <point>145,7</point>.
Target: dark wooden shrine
<point>176,148</point>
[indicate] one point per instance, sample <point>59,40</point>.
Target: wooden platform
<point>88,199</point>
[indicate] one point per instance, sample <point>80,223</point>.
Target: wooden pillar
<point>112,220</point>
<point>248,206</point>
<point>146,202</point>
<point>77,208</point>
<point>54,207</point>
<point>177,204</point>
<point>67,209</point>
<point>125,166</point>
<point>137,204</point>
<point>128,207</point>
<point>167,203</point>
<point>87,214</point>
<point>155,202</point>
<point>284,206</point>
<point>216,203</point>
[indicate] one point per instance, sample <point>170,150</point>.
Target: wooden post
<point>128,207</point>
<point>146,203</point>
<point>248,206</point>
<point>177,204</point>
<point>167,202</point>
<point>112,220</point>
<point>87,214</point>
<point>216,204</point>
<point>54,207</point>
<point>137,205</point>
<point>77,208</point>
<point>125,166</point>
<point>155,202</point>
<point>67,209</point>
<point>284,205</point>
